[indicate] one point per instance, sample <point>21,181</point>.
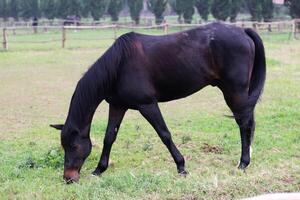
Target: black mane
<point>98,79</point>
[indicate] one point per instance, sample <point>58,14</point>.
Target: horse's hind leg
<point>114,120</point>
<point>153,115</point>
<point>244,116</point>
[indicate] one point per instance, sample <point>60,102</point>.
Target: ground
<point>37,81</point>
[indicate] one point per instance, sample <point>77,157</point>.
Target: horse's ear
<point>57,126</point>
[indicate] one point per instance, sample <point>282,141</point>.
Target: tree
<point>267,10</point>
<point>177,7</point>
<point>255,9</point>
<point>14,9</point>
<point>98,8</point>
<point>188,10</point>
<point>69,7</point>
<point>235,8</point>
<point>294,6</point>
<point>114,9</point>
<point>220,9</point>
<point>4,9</point>
<point>185,8</point>
<point>261,9</point>
<point>135,8</point>
<point>49,8</point>
<point>86,8</point>
<point>63,8</point>
<point>29,9</point>
<point>75,7</point>
<point>203,7</point>
<point>157,7</point>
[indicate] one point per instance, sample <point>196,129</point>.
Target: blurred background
<point>79,23</point>
<point>185,11</point>
<point>46,46</point>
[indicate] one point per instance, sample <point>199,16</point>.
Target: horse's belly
<point>168,92</point>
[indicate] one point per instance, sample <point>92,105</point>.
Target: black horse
<point>138,71</point>
<point>72,20</point>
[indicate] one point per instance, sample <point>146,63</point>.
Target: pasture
<point>36,84</point>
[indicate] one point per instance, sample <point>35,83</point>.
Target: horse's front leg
<point>153,115</point>
<point>114,120</point>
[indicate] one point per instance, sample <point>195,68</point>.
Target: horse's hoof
<point>183,173</point>
<point>242,166</point>
<point>96,172</point>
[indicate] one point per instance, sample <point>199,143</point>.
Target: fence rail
<point>290,27</point>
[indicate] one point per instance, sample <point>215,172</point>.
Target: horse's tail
<point>259,69</point>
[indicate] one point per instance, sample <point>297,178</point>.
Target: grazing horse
<point>72,20</point>
<point>138,71</point>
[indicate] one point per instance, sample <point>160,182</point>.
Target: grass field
<point>36,84</point>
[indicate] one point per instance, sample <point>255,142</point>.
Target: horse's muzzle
<point>71,176</point>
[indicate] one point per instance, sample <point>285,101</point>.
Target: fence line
<point>4,39</point>
<point>60,22</point>
<point>290,26</point>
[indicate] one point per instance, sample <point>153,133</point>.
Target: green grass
<point>37,81</point>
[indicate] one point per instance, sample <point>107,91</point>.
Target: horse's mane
<point>98,79</point>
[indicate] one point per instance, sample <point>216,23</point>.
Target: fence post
<point>254,26</point>
<point>293,32</point>
<point>295,28</point>
<point>5,46</point>
<point>35,29</point>
<point>166,28</point>
<point>243,25</point>
<point>63,36</point>
<point>115,31</point>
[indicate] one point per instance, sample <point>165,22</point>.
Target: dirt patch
<point>207,148</point>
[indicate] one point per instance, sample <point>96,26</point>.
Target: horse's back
<point>174,66</point>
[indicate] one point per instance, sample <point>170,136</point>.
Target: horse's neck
<point>84,103</point>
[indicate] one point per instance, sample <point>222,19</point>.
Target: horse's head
<point>77,146</point>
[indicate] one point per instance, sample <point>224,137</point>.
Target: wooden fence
<point>290,27</point>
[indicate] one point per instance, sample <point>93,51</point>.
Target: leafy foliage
<point>76,7</point>
<point>157,7</point>
<point>4,11</point>
<point>184,8</point>
<point>29,9</point>
<point>27,163</point>
<point>294,6</point>
<point>114,9</point>
<point>220,9</point>
<point>49,8</point>
<point>177,8</point>
<point>188,10</point>
<point>14,9</point>
<point>255,9</point>
<point>135,8</point>
<point>267,9</point>
<point>98,8</point>
<point>69,7</point>
<point>261,9</point>
<point>203,7</point>
<point>54,158</point>
<point>234,9</point>
<point>63,8</point>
